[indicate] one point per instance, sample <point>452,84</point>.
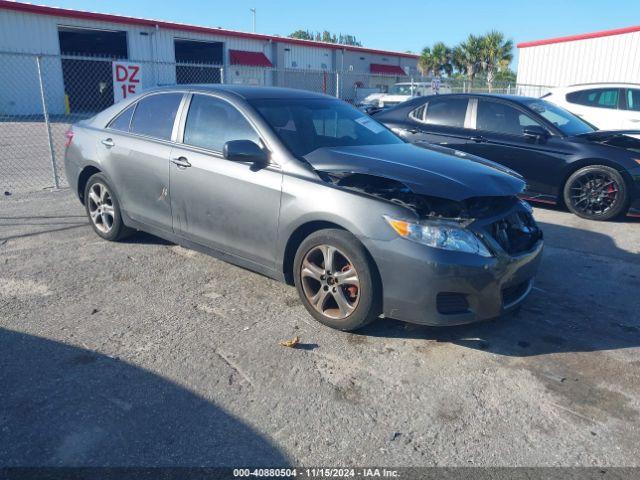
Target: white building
<point>605,56</point>
<point>67,38</point>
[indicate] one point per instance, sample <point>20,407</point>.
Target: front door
<point>230,206</point>
<point>499,137</point>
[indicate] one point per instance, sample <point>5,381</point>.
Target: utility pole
<point>253,12</point>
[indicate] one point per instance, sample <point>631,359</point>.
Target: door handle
<point>478,139</point>
<point>181,162</point>
<point>108,142</point>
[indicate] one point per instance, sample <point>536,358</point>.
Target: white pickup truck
<point>401,92</point>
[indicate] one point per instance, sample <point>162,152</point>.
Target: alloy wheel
<point>101,208</point>
<point>594,193</point>
<point>330,282</point>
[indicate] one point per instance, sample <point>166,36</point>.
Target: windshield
<point>304,125</point>
<point>568,123</point>
<point>400,90</point>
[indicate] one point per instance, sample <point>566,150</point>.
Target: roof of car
<point>512,98</point>
<point>247,91</point>
<point>597,85</point>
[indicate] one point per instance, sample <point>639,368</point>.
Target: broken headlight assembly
<point>442,235</point>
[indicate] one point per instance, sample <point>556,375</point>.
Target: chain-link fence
<point>42,95</point>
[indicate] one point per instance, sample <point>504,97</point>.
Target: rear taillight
<point>69,138</point>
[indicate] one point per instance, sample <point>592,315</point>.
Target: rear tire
<point>103,209</point>
<point>596,192</point>
<point>342,292</point>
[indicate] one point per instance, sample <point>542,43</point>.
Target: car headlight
<point>446,236</point>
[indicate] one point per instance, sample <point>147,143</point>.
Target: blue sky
<point>393,25</point>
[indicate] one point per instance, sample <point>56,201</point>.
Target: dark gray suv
<point>306,189</point>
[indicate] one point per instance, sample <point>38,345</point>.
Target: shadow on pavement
<point>582,302</point>
<point>66,406</point>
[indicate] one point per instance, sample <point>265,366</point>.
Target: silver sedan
<point>306,189</point>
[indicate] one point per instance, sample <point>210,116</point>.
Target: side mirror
<point>535,132</point>
<point>244,151</point>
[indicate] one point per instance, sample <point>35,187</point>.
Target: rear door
<point>137,147</point>
<point>631,112</point>
<point>440,120</point>
<point>499,137</point>
<point>227,205</point>
<point>598,106</point>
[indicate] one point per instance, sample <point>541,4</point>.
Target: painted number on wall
<point>126,80</point>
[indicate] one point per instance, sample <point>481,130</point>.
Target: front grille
<point>516,233</point>
<point>450,303</point>
<point>514,293</point>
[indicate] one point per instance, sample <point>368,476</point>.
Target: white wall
<point>31,33</point>
<point>615,58</point>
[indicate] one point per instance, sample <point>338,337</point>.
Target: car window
<point>123,120</point>
<point>155,114</point>
<point>307,124</point>
<point>449,112</point>
<point>501,118</point>
<point>212,122</point>
<point>418,113</point>
<point>563,120</point>
<point>596,97</point>
<point>633,99</point>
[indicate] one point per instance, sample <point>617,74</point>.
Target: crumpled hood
<point>425,172</point>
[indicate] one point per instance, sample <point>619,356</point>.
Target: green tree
<point>467,57</point>
<point>435,60</point>
<point>326,36</point>
<point>302,35</point>
<point>496,55</point>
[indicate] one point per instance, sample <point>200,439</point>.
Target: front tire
<point>596,192</point>
<point>336,280</point>
<point>103,209</point>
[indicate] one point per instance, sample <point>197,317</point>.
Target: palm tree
<point>441,59</point>
<point>468,57</point>
<point>496,54</point>
<point>435,60</point>
<point>426,62</point>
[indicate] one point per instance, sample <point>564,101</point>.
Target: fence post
<point>221,74</point>
<point>337,84</point>
<point>52,154</point>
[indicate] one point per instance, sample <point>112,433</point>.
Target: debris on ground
<point>291,343</point>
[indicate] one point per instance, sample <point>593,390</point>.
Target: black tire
<point>367,307</point>
<point>611,204</point>
<point>116,230</point>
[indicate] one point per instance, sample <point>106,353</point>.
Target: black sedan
<point>564,159</point>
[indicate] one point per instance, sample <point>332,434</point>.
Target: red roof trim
<point>249,59</point>
<point>386,69</point>
<point>584,36</point>
<point>106,17</point>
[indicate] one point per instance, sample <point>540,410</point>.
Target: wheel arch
<point>303,231</point>
<point>588,162</point>
<point>86,173</point>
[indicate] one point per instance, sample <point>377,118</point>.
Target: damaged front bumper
<point>438,287</point>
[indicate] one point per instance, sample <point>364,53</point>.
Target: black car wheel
<point>336,280</point>
<point>103,209</point>
<point>596,192</point>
